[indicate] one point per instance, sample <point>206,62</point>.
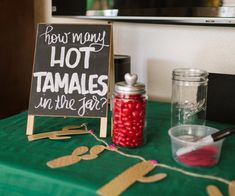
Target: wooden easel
<point>103,120</point>
<point>31,119</point>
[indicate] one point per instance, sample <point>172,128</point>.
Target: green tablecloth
<point>23,169</point>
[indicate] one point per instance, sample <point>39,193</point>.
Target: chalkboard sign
<point>70,75</point>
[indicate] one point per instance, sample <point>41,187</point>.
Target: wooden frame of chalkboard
<point>72,65</point>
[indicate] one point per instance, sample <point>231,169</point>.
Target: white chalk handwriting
<point>91,104</point>
<point>96,39</point>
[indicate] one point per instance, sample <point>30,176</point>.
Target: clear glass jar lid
<point>130,85</point>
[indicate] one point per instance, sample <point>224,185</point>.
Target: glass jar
<point>129,106</point>
<point>189,96</point>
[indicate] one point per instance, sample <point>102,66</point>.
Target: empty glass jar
<point>189,96</point>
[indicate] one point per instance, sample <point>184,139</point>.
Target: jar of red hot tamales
<point>129,106</point>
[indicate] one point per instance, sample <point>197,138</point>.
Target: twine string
<point>159,164</point>
<point>194,174</point>
<point>100,140</point>
<point>130,155</point>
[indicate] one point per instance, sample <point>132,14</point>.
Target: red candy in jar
<point>129,104</point>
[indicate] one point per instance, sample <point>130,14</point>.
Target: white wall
<point>156,49</point>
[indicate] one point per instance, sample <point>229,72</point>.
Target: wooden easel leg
<point>103,127</point>
<point>111,126</point>
<point>30,125</point>
<point>111,71</point>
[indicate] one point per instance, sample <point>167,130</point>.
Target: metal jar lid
<point>130,85</point>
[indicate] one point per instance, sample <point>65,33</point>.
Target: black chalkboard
<point>70,74</point>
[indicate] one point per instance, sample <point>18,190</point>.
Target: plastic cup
<point>203,155</point>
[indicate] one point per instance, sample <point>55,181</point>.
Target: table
<point>23,169</point>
